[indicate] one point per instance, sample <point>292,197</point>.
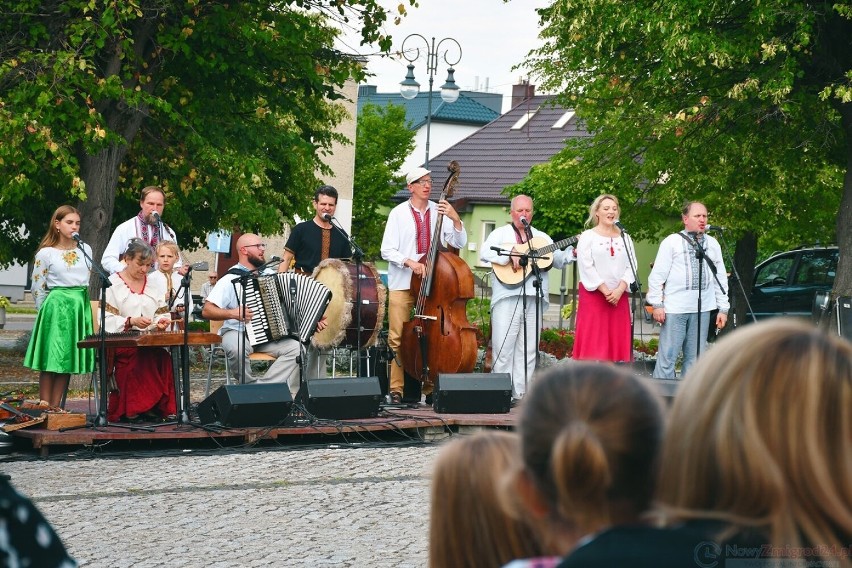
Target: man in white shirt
<point>406,239</point>
<point>147,225</point>
<point>687,283</point>
<point>223,303</point>
<point>512,354</point>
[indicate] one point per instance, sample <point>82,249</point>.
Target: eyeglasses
<point>424,181</point>
<point>258,245</point>
<point>213,277</point>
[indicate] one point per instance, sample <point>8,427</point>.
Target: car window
<point>774,272</point>
<point>816,268</point>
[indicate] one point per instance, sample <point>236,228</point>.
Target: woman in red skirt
<point>604,257</point>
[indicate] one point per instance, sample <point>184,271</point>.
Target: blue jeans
<point>679,334</point>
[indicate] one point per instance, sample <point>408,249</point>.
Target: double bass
<point>439,338</point>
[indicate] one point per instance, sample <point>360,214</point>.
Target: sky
<point>494,36</point>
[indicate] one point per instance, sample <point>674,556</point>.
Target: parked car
<point>794,282</point>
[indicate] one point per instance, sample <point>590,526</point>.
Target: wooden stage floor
<point>393,423</point>
<point>414,421</point>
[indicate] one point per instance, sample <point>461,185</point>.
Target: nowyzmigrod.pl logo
<point>709,554</point>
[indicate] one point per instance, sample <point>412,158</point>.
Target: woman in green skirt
<point>60,289</point>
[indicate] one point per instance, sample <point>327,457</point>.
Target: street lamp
<point>409,87</point>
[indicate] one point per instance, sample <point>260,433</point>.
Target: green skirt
<point>64,318</point>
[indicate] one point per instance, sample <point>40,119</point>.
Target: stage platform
<point>405,421</point>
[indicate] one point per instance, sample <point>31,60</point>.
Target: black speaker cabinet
<point>342,398</point>
<point>249,405</point>
<point>473,393</point>
<point>844,317</point>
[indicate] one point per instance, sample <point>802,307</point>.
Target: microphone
<point>156,217</point>
<point>327,217</point>
<point>524,222</point>
<point>497,250</point>
<point>76,236</point>
<point>715,228</point>
<point>620,226</point>
<point>271,262</point>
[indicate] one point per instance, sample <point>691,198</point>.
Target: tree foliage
<point>744,105</point>
<point>383,142</point>
<point>228,106</point>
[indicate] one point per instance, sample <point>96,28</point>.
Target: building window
<point>487,228</point>
<point>523,120</point>
<point>563,120</point>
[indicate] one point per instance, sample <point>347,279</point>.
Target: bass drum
<point>342,313</point>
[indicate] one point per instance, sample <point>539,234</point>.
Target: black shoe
<point>429,399</point>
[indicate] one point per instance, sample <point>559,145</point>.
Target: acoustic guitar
<point>506,274</point>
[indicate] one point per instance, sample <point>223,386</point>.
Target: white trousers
<point>507,341</point>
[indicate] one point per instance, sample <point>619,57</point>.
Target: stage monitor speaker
<point>343,398</point>
<point>473,393</point>
<point>844,317</point>
<point>242,406</point>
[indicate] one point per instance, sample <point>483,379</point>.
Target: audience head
<point>760,436</point>
<point>468,527</point>
<point>64,222</point>
<point>590,440</point>
<point>168,254</point>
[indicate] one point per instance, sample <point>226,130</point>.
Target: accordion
<point>285,304</point>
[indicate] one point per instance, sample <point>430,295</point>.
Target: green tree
<point>383,141</point>
<point>228,106</point>
<point>744,105</point>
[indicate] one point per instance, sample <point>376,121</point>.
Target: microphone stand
<point>727,257</point>
<point>523,262</point>
<point>357,256</point>
<point>184,398</point>
<point>701,256</point>
<point>635,288</point>
<point>101,418</point>
<point>539,299</point>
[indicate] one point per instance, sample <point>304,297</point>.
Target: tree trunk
<point>843,279</point>
<point>745,258</point>
<point>100,173</point>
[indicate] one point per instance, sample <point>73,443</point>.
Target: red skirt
<point>603,331</point>
<point>146,383</point>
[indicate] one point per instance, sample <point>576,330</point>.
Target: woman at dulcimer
<point>143,376</point>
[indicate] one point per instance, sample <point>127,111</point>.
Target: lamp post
<point>449,90</point>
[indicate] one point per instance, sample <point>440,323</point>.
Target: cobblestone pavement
<point>294,507</point>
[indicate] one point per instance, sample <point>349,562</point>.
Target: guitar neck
<point>557,245</point>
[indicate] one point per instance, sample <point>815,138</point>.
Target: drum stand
<point>358,257</point>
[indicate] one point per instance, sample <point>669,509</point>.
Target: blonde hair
<point>592,220</point>
<point>467,526</point>
<point>590,436</point>
<point>171,245</point>
<point>760,437</point>
<point>51,237</point>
